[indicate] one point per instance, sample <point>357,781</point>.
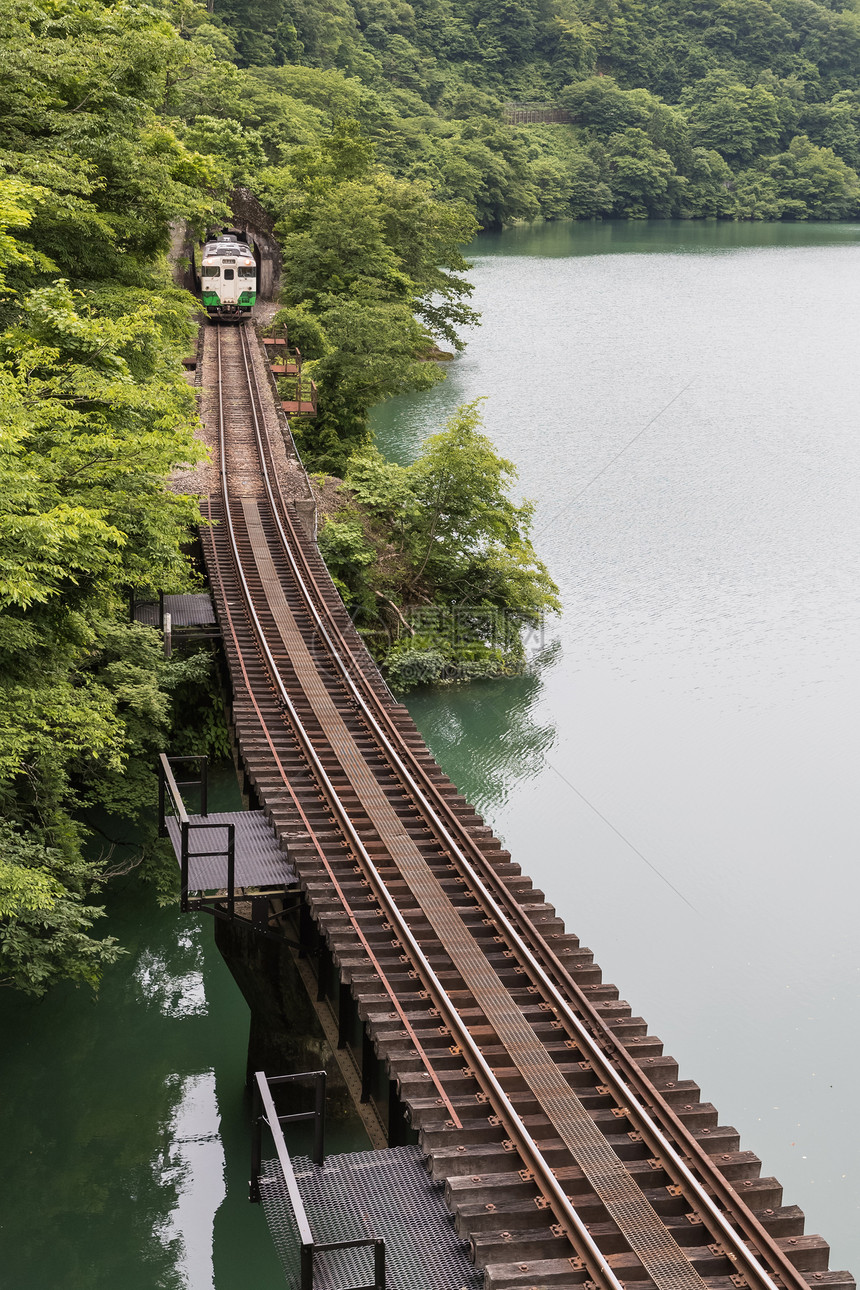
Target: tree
<point>836,125</point>
<point>749,28</point>
<point>237,150</point>
<point>506,31</point>
<point>376,263</point>
<point>756,196</point>
<point>600,103</point>
<point>94,414</point>
<point>79,94</point>
<point>487,166</point>
<point>813,183</point>
<point>45,925</point>
<point>709,192</point>
<point>375,352</point>
<point>642,178</point>
<point>435,559</point>
<point>735,120</point>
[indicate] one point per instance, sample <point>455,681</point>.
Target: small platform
<point>259,860</point>
<point>369,1193</point>
<point>185,611</point>
<point>299,407</point>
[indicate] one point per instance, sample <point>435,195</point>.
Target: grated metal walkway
<point>369,1193</point>
<point>260,861</point>
<point>185,611</point>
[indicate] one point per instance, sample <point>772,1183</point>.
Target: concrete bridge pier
<point>304,1017</point>
<point>286,1035</point>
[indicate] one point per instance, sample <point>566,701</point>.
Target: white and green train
<point>228,277</point>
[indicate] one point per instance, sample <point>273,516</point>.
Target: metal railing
<point>301,405</point>
<point>265,1112</point>
<point>168,791</point>
<point>536,114</point>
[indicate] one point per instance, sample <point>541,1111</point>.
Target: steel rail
<point>571,1223</point>
<point>624,1094</point>
<point>285,778</point>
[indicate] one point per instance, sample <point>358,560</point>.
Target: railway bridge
<point>530,1131</point>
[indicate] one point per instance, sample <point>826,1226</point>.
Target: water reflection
<point>487,732</point>
<point>110,1113</point>
<point>565,238</point>
<point>191,1166</point>
<point>174,984</point>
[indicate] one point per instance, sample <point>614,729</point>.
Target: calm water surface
<point>679,771</point>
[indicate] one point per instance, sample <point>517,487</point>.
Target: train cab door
<point>229,294</point>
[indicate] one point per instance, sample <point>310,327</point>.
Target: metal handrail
<point>185,855</point>
<point>265,1112</point>
<point>166,780</point>
<point>202,783</point>
<point>319,1247</point>
<point>166,777</point>
<point>317,1115</point>
<point>169,786</point>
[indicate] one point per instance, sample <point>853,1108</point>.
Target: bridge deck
<point>185,611</point>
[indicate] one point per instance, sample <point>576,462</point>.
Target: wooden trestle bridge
<point>571,1153</point>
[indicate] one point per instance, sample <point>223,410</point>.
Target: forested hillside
<point>375,134</point>
<point>734,108</point>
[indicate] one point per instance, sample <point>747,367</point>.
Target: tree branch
<point>406,624</point>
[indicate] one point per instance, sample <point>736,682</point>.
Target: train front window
<point>228,275</point>
<point>246,273</point>
<point>210,271</point>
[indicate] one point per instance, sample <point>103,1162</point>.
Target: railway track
<point>572,1154</point>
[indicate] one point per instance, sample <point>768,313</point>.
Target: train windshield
<point>210,271</point>
<point>246,273</point>
<point>229,275</point>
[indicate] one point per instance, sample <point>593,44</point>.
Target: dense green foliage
<point>676,110</point>
<point>434,559</point>
<point>95,413</point>
<point>375,131</point>
<point>371,271</point>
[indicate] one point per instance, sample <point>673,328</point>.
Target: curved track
<point>503,1048</point>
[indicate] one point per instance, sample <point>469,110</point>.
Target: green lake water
<point>678,768</point>
<point>125,1126</point>
<point>124,1120</point>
